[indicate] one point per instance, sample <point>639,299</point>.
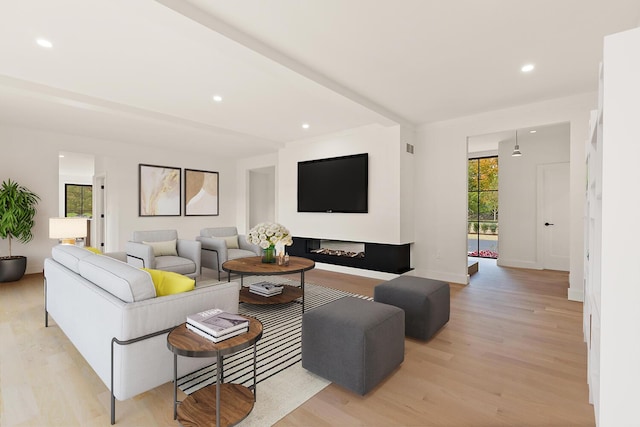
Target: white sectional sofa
<point>109,311</point>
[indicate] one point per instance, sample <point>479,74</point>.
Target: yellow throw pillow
<point>232,242</point>
<point>94,250</point>
<point>169,283</point>
<point>163,248</point>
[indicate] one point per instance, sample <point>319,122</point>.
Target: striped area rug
<point>280,345</point>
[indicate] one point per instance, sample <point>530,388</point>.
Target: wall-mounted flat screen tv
<point>337,184</point>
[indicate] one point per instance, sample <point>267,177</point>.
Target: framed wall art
<point>159,190</point>
<point>201,191</point>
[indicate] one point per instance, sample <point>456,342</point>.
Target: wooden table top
<point>254,265</point>
<point>186,343</point>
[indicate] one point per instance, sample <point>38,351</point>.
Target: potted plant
<point>17,210</point>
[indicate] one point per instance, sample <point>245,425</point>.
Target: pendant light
<point>516,149</point>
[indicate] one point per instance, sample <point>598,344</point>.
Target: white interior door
<point>553,216</point>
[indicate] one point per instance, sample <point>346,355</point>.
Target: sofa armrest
<point>242,242</point>
<point>140,255</point>
<point>190,249</point>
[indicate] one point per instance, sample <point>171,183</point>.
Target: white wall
<point>517,193</point>
<point>619,315</point>
<point>441,183</point>
<point>384,221</point>
<point>407,186</point>
<point>30,157</point>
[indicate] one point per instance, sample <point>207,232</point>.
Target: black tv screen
<point>338,184</point>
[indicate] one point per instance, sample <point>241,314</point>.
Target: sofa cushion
<point>167,248</point>
<point>70,256</point>
<point>118,278</point>
<point>176,264</point>
<point>239,253</point>
<point>169,283</point>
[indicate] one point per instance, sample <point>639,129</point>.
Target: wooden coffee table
<point>219,404</point>
<point>253,266</point>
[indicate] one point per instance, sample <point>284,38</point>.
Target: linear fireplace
<point>340,248</point>
<point>370,256</point>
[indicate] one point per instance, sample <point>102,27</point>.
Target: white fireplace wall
<point>382,224</point>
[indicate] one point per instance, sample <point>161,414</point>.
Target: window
<point>483,207</point>
<point>78,200</point>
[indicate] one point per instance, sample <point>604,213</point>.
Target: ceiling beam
<point>388,118</point>
<point>89,103</point>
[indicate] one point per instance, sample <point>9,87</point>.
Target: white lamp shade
<point>67,228</point>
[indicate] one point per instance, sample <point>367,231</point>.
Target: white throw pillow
<point>232,242</point>
<point>163,248</point>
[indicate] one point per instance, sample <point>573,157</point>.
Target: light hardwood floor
<point>512,354</point>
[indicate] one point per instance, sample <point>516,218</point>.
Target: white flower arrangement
<point>267,234</point>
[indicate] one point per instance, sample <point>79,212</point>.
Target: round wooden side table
<point>219,404</point>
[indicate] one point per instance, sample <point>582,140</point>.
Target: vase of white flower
<point>267,235</point>
<point>269,255</point>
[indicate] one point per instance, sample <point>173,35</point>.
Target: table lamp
<point>67,229</point>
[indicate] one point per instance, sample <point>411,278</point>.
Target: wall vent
<point>409,148</point>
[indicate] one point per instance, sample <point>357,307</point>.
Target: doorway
<point>524,240</point>
<point>262,195</point>
<point>75,183</point>
<point>482,216</point>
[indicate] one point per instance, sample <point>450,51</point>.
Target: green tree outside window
<point>78,200</point>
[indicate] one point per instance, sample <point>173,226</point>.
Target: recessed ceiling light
<point>61,155</point>
<point>305,126</point>
<point>44,43</point>
<point>217,98</point>
<point>533,131</point>
<point>527,68</point>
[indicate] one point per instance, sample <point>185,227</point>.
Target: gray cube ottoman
<point>353,342</point>
<point>426,303</point>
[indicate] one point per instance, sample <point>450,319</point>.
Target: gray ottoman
<point>353,342</point>
<point>426,303</point>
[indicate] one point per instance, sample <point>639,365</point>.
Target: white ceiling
<point>144,71</point>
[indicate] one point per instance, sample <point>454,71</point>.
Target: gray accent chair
<point>185,261</point>
<point>216,251</point>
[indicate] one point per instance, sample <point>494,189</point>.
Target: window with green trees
<point>78,200</point>
<point>483,207</point>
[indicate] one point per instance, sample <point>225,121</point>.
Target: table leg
<point>302,285</point>
<point>218,385</point>
<point>175,386</point>
<point>221,367</point>
<point>255,390</point>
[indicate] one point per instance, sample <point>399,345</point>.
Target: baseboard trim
<point>575,295</point>
<point>518,264</point>
<point>357,271</point>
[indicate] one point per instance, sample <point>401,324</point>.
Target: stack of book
<point>265,289</point>
<point>217,325</point>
